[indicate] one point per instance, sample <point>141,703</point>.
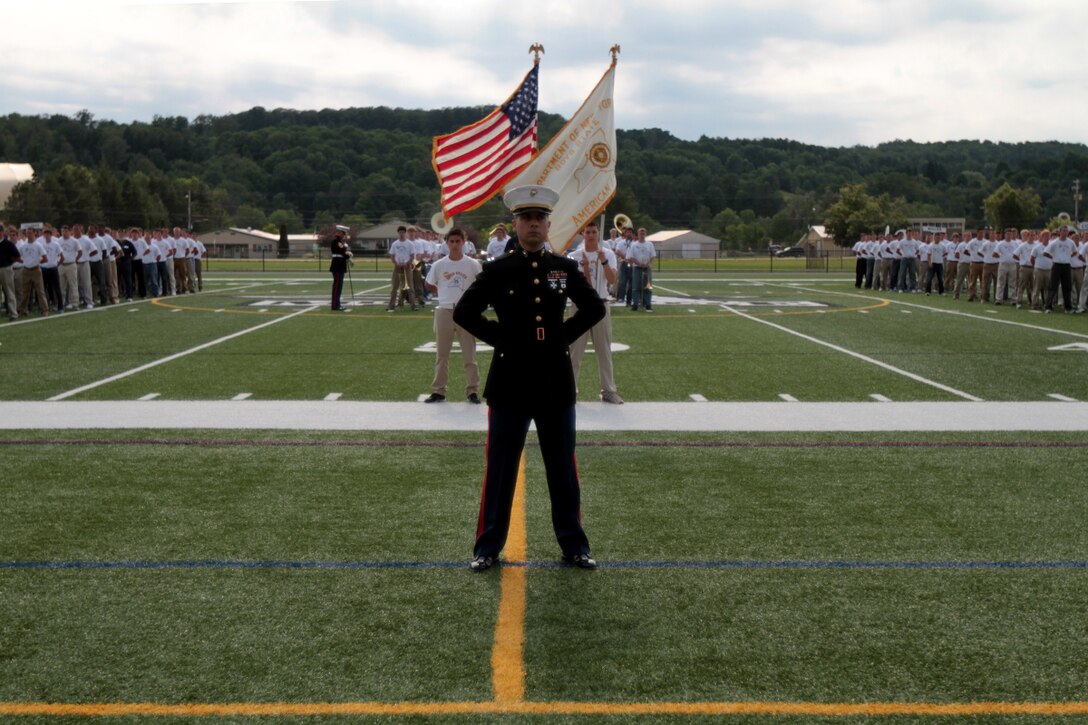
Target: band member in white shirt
<point>449,277</point>
<point>1025,272</point>
<point>1006,266</point>
<point>598,266</point>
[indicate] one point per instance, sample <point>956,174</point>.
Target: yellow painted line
<point>286,709</point>
<point>508,652</point>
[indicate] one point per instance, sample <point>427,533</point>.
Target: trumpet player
<point>402,254</point>
<point>640,256</point>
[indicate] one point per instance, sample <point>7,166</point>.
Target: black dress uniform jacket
<point>529,292</point>
<point>340,251</point>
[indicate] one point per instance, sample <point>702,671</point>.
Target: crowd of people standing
<point>1020,267</point>
<point>45,270</point>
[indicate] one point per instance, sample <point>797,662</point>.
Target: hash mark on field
<point>176,309</point>
<point>134,310</point>
<point>863,312</point>
<point>150,396</point>
<point>787,397</point>
<point>697,398</point>
<point>1063,398</point>
<point>242,396</point>
<point>333,396</point>
<point>880,398</point>
<point>906,312</point>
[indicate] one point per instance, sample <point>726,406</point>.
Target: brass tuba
<point>440,224</point>
<point>621,222</point>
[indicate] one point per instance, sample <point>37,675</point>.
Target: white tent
<point>10,175</point>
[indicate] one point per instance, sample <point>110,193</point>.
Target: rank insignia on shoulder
<point>557,280</point>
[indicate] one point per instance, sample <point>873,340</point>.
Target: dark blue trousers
<point>337,289</point>
<point>506,433</point>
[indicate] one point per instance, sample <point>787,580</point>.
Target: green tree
<point>1009,207</point>
<point>287,218</point>
<point>856,213</point>
<point>250,217</point>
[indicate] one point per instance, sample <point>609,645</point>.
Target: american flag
<point>474,162</point>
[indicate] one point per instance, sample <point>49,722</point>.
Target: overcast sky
<point>828,72</point>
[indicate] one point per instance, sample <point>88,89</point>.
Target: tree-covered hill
<point>308,169</point>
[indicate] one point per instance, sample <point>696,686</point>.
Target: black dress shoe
<point>474,399</point>
<point>435,398</point>
<point>483,563</point>
<point>582,561</point>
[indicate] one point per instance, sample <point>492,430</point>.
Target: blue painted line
<point>715,564</point>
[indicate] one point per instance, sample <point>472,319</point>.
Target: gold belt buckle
<point>540,333</point>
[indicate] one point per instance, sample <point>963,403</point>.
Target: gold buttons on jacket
<point>535,265</point>
<point>538,300</point>
<point>536,280</point>
<point>511,291</point>
<point>539,318</point>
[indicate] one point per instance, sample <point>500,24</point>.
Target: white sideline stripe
<point>697,398</point>
<point>858,355</point>
<point>674,291</point>
<point>149,396</point>
<point>242,396</point>
<point>880,398</point>
<point>333,396</point>
<point>788,398</point>
<point>1063,398</point>
<point>1029,326</point>
<point>175,356</point>
<point>348,415</point>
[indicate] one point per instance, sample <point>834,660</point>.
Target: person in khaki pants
<point>34,257</point>
<point>449,277</point>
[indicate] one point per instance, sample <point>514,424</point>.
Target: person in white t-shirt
<point>1025,273</point>
<point>598,265</point>
<point>1043,264</point>
<point>448,278</point>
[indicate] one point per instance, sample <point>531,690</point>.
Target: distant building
<point>816,241</point>
<point>379,237</point>
<point>684,244</point>
<point>242,243</point>
<point>10,175</point>
<point>929,225</point>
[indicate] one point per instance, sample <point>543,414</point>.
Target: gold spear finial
<point>614,50</point>
<point>536,49</point>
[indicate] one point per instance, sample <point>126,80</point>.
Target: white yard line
<point>242,396</point>
<point>788,398</point>
<point>970,315</point>
<point>175,356</point>
<point>333,396</point>
<point>119,305</point>
<point>345,415</point>
<point>673,291</point>
<point>857,355</point>
<point>1063,398</point>
<point>698,398</point>
<point>880,398</point>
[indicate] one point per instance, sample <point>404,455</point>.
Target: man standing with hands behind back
<point>530,379</point>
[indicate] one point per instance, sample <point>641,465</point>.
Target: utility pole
<point>1076,201</point>
<point>189,211</point>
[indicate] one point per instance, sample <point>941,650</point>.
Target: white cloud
<point>836,72</point>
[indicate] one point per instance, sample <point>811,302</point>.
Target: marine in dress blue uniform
<point>341,253</point>
<point>530,379</point>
